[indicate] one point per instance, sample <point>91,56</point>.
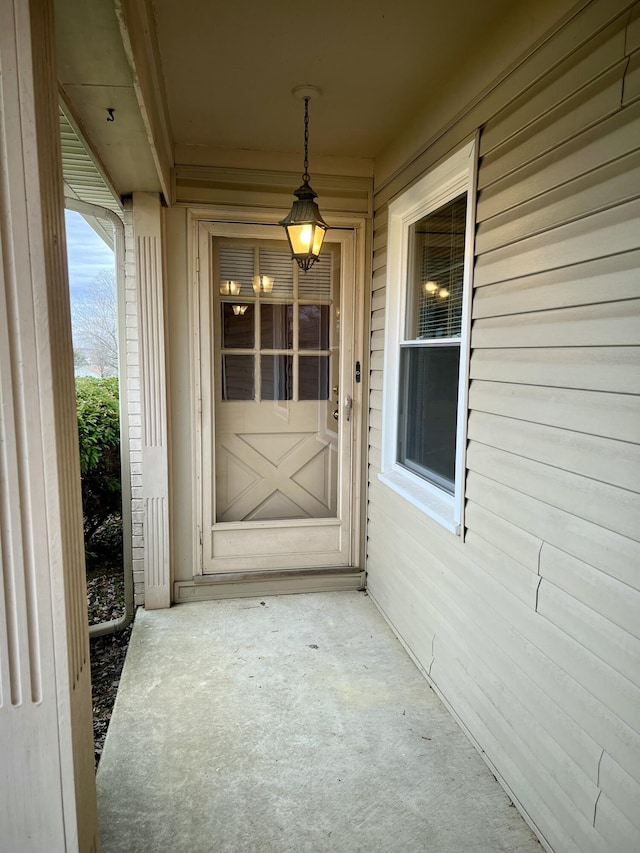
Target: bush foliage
<point>99,435</point>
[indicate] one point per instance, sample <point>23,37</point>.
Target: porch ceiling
<point>209,83</point>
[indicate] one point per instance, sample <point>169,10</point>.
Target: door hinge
<point>197,263</point>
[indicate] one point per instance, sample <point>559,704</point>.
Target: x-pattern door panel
<point>274,470</point>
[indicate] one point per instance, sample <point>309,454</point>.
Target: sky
<point>87,254</point>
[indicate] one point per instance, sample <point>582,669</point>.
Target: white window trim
<point>448,180</point>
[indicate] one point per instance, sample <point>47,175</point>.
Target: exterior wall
<point>200,192</point>
<point>528,627</point>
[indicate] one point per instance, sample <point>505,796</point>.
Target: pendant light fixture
<point>304,225</point>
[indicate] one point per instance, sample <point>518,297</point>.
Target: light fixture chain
<point>305,177</point>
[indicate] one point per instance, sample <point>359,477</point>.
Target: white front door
<point>276,399</point>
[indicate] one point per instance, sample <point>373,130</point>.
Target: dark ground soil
<point>105,601</point>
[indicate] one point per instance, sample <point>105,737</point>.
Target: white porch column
<point>47,790</point>
<point>147,226</point>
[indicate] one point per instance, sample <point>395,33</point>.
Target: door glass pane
<point>313,377</point>
<point>238,325</point>
<point>277,377</point>
<point>276,326</point>
<point>276,273</point>
<point>237,377</point>
<point>317,282</point>
<point>313,323</point>
<point>276,440</point>
<point>236,272</point>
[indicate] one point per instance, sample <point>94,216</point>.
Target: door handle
<point>348,405</point>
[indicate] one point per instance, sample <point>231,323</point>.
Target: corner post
<point>154,492</point>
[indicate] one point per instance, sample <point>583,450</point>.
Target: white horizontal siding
<point>613,462</point>
<point>615,555</point>
<point>613,369</point>
<point>529,628</point>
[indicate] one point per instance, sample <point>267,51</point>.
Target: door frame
<point>206,586</point>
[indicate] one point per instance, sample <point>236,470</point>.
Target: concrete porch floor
<point>291,723</point>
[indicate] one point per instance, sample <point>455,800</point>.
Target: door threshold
<point>277,582</point>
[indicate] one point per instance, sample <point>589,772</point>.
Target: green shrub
<point>99,435</point>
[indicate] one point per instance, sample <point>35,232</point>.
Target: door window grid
<point>251,280</point>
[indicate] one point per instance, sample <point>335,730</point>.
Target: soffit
<point>229,68</point>
<point>94,75</point>
<point>225,72</point>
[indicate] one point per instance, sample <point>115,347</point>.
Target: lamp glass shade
<point>305,227</point>
<point>305,239</point>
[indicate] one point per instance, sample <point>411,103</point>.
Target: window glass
<point>436,273</point>
<point>427,412</point>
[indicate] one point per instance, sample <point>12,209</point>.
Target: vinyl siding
<point>529,626</point>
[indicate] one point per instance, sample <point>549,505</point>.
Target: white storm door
<point>276,390</point>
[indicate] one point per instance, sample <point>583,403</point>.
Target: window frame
<point>456,175</point>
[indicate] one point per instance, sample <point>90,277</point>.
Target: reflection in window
<point>428,403</point>
<point>277,377</point>
<point>237,377</point>
<point>276,326</point>
<point>237,326</point>
<point>313,330</point>
<point>313,377</point>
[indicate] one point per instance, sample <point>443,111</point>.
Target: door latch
<point>348,405</point>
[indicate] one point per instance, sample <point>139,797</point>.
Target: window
<point>426,340</point>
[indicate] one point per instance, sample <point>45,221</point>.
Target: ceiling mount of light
<point>304,225</point>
